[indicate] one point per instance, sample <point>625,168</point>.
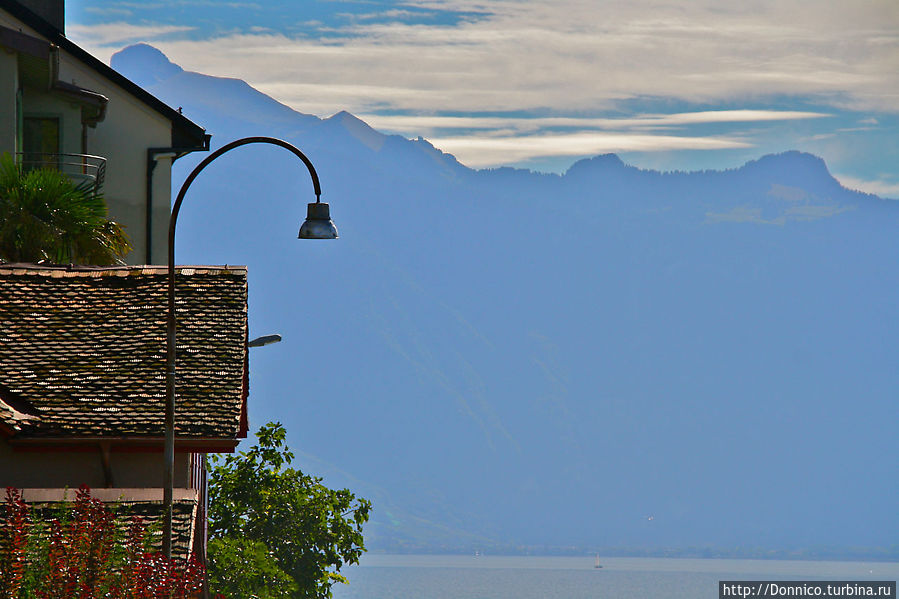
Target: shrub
<point>44,216</point>
<point>85,552</point>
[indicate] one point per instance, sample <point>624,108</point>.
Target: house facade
<point>82,384</point>
<point>82,349</point>
<point>62,107</point>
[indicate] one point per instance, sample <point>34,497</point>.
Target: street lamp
<point>264,340</point>
<point>317,225</point>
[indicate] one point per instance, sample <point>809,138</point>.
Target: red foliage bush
<point>86,556</point>
<point>13,541</point>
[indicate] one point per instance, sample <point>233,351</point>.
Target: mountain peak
<point>790,165</point>
<point>144,64</point>
<point>792,159</point>
<point>343,115</point>
<point>359,129</point>
<point>597,164</point>
<point>348,119</point>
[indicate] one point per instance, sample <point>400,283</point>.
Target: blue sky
<point>668,85</point>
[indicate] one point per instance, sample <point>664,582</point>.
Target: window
<point>40,142</point>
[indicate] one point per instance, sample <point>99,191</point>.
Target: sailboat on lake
<point>596,564</point>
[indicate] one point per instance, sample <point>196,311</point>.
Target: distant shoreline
<point>876,554</point>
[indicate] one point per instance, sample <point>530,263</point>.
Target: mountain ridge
<point>509,358</point>
<point>149,67</point>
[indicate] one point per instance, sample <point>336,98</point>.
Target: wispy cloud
<point>108,11</point>
<point>572,55</point>
<point>101,37</point>
<point>424,124</point>
<point>386,15</point>
<point>884,187</point>
<point>570,63</point>
<point>493,151</point>
<point>486,141</point>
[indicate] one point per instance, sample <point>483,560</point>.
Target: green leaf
<point>262,509</point>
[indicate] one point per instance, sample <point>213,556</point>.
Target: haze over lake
<point>494,577</point>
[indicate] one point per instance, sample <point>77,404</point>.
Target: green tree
<point>45,216</point>
<point>274,531</point>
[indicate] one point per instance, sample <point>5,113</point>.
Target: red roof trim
<point>244,416</point>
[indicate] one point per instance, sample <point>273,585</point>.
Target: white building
<point>62,107</point>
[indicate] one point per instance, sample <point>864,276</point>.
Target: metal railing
<point>83,169</point>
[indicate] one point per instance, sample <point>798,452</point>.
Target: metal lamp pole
<point>318,225</point>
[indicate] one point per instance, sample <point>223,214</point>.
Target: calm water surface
<point>499,577</point>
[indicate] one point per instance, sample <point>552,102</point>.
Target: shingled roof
<point>82,352</point>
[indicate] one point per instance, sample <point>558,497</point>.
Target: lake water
<point>500,577</point>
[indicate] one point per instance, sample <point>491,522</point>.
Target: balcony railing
<point>83,169</point>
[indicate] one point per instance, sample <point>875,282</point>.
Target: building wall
<point>38,103</point>
<point>162,210</point>
<point>123,138</point>
<point>8,20</point>
<point>129,129</point>
<point>68,468</point>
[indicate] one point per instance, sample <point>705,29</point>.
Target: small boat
<point>596,564</point>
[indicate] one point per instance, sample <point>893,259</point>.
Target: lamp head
<point>264,340</point>
<point>318,224</point>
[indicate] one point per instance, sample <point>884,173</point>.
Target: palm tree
<point>45,217</point>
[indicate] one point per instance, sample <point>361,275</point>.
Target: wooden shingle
<point>82,351</point>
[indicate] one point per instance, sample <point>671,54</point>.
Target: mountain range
<point>611,359</point>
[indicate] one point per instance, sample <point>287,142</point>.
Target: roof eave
<point>123,444</point>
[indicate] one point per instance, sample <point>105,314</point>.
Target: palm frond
<point>46,216</point>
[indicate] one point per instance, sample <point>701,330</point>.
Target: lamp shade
<point>264,340</point>
<point>318,224</point>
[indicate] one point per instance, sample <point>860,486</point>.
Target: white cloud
<point>424,124</point>
<point>98,38</point>
<point>568,55</point>
<point>109,11</point>
<point>480,152</point>
<point>884,187</point>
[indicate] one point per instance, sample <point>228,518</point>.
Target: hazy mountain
<point>613,357</point>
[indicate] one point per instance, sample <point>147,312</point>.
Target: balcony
<point>83,169</point>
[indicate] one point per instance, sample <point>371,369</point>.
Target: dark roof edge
<point>16,402</point>
<point>23,441</point>
<point>183,129</point>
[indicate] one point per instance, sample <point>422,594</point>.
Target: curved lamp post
<point>318,225</point>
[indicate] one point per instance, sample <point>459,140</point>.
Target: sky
<point>686,85</point>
